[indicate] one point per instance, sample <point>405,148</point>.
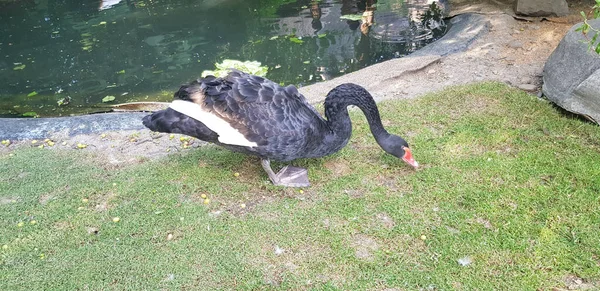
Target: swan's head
<point>398,147</point>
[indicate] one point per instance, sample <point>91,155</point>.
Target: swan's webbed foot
<point>289,176</point>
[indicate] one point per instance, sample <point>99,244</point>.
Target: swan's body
<point>253,115</point>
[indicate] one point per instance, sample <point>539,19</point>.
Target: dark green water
<point>82,51</point>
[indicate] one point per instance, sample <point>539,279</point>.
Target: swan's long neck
<point>336,112</point>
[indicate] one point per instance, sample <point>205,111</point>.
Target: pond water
<point>65,56</point>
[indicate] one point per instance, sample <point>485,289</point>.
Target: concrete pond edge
<point>464,30</point>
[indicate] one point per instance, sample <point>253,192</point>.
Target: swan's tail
<point>171,121</point>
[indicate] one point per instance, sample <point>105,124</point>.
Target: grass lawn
<point>507,198</point>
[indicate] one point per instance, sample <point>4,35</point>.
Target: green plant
<point>251,67</point>
<point>585,28</point>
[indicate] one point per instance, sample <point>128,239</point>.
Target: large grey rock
<point>572,75</point>
<point>541,7</point>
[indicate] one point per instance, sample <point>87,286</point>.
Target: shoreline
<point>485,42</point>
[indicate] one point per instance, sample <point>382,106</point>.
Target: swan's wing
<point>259,109</point>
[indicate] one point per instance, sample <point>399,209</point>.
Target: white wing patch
<point>227,134</point>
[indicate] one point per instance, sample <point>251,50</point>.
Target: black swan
<point>253,115</point>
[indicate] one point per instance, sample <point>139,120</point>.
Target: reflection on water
<point>85,50</point>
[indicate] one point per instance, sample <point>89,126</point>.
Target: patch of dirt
<point>483,222</point>
<point>338,167</point>
<point>354,193</point>
<point>334,223</point>
<point>62,225</point>
<point>277,261</point>
<point>407,249</point>
<point>364,247</point>
<point>102,202</point>
<point>8,200</point>
<point>385,220</point>
<point>45,198</point>
<point>573,282</point>
<point>92,230</point>
<point>396,187</point>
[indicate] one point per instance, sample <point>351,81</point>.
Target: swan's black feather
<point>278,119</point>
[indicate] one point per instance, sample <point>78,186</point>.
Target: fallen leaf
<point>353,17</point>
<point>30,114</point>
<point>108,99</point>
<point>296,40</point>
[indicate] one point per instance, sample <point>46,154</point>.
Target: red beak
<point>408,158</point>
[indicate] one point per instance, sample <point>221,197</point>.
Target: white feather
<point>227,134</point>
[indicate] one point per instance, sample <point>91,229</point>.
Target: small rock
<point>541,7</point>
<point>92,230</point>
<point>527,87</point>
<point>278,250</point>
<point>515,44</point>
<point>526,80</point>
<point>465,261</point>
<point>431,71</point>
<point>215,213</point>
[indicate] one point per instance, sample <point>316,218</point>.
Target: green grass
<point>506,180</point>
